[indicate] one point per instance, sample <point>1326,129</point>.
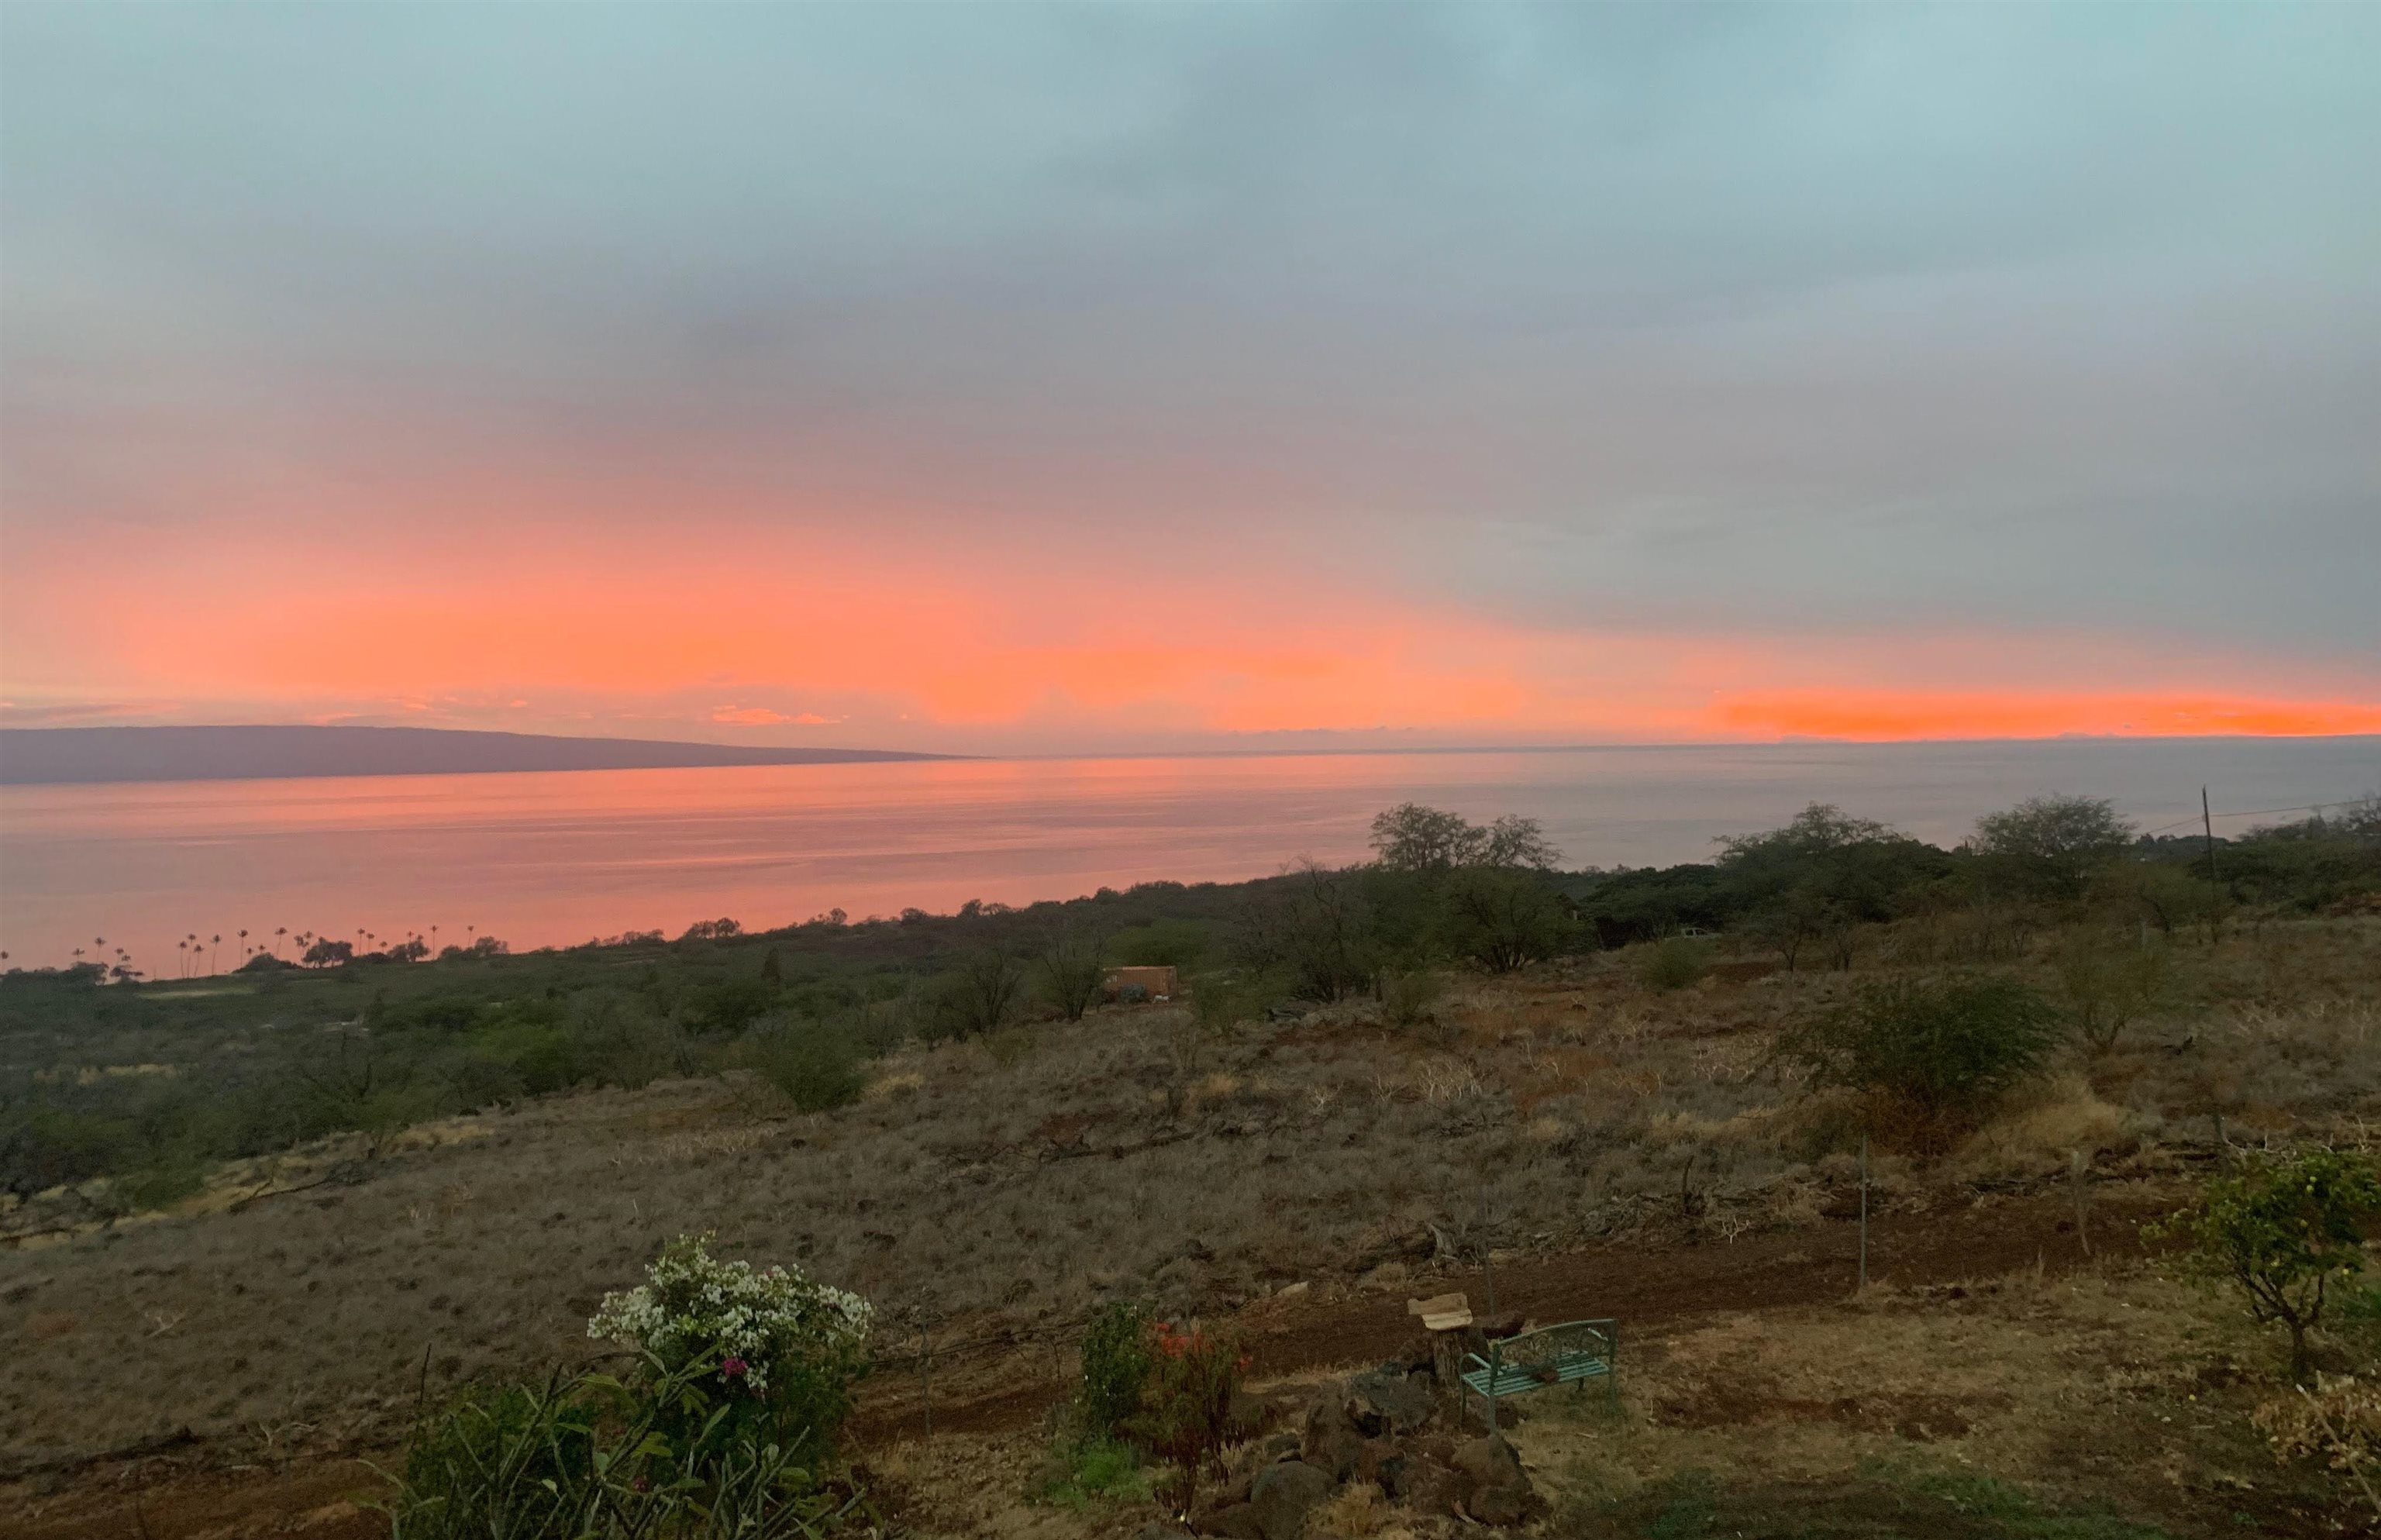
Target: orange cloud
<point>1885,715</point>
<point>963,646</point>
<point>761,716</point>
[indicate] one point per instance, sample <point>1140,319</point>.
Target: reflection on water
<point>558,857</point>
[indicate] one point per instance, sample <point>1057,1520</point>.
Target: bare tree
<point>1072,968</point>
<point>983,990</point>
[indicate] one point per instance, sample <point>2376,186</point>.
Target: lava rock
<point>1283,1495</point>
<point>1231,1521</point>
<point>1387,1400</point>
<point>1330,1442</point>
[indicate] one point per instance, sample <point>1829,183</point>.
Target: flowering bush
<point>1186,1402</point>
<point>775,1348</point>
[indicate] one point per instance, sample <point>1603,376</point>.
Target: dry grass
<point>2124,1393</point>
<point>1018,1183</point>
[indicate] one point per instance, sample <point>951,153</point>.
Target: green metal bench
<point>1571,1353</point>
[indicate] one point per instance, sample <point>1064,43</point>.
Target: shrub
<point>816,1066</point>
<point>1672,964</point>
<point>1931,1055</point>
<point>2283,1231</point>
<point>1408,995</point>
<point>1082,1473</point>
<point>776,1350</point>
<point>1186,1404</point>
<point>1222,1001</point>
<point>2338,1423</point>
<point>2110,987</point>
<point>1116,1363</point>
<point>499,1461</point>
<point>586,1458</point>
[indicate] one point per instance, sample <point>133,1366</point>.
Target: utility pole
<point>2207,822</point>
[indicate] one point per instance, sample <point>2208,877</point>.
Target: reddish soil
<point>1648,1289</point>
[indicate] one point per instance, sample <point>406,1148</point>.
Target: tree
<point>323,953</point>
<point>1819,829</point>
<point>2282,1231</point>
<point>2053,844</point>
<point>1411,837</point>
<point>1315,932</point>
<point>1515,843</point>
<point>1504,919</point>
<point>1821,876</point>
<point>1072,970</point>
<point>981,994</point>
<point>2159,893</point>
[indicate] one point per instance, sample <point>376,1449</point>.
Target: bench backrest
<point>1549,1344</point>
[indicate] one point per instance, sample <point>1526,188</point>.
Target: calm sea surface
<point>556,859</point>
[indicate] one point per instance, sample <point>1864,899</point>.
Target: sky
<point>1005,378</point>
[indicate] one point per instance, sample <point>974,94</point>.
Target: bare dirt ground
<point>197,1492</point>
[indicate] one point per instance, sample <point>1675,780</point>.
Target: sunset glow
<point>1059,420</point>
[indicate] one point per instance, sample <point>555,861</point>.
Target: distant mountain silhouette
<point>31,756</point>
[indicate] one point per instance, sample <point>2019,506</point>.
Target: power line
<point>2253,813</point>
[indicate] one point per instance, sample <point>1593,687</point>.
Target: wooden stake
<point>1487,1263</point>
<point>2207,822</point>
<point>1863,1239</point>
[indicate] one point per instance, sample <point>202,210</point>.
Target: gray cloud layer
<point>1641,315</point>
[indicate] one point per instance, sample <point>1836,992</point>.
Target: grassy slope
<point>979,1189</point>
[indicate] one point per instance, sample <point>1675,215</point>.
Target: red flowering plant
<point>1186,1403</point>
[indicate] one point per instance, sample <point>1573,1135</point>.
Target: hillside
<point>33,756</point>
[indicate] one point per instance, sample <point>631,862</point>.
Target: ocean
<point>556,859</point>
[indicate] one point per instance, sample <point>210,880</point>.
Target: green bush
<point>1408,996</point>
<point>1080,1474</point>
<point>1116,1365</point>
<point>765,1356</point>
<point>1931,1055</point>
<point>1161,943</point>
<point>2108,984</point>
<point>586,1457</point>
<point>1673,964</point>
<point>2284,1231</point>
<point>816,1065</point>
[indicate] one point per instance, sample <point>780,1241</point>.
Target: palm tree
<point>278,932</point>
<point>183,970</point>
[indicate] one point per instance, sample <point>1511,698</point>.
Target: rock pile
<point>1386,1426</point>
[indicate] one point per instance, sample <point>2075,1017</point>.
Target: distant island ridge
<point>42,756</point>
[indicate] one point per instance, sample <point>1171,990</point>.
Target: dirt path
<point>1649,1290</point>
